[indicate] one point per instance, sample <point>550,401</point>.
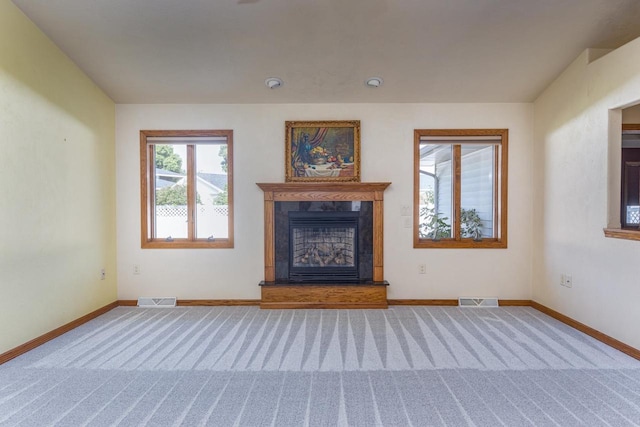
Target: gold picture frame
<point>322,151</point>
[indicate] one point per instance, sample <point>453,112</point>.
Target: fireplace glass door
<point>323,246</point>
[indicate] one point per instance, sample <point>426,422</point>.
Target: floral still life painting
<point>322,151</point>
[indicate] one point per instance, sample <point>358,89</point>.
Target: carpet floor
<point>225,366</point>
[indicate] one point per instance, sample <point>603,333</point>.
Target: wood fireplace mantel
<point>275,295</point>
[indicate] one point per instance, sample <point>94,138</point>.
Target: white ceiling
<point>221,51</point>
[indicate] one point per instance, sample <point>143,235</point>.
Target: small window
<point>187,188</point>
<point>630,180</point>
<point>460,188</point>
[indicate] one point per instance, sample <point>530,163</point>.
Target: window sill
<point>460,244</point>
<point>186,244</point>
<point>621,233</point>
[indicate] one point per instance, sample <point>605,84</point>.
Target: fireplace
<point>328,242</point>
<point>323,246</point>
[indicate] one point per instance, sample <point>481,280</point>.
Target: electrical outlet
<point>568,280</point>
<point>422,268</point>
<point>407,222</point>
<point>136,268</point>
<point>103,274</point>
<point>406,210</point>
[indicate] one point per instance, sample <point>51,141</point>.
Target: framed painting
<point>322,151</point>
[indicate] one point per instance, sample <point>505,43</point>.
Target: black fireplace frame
<point>326,221</point>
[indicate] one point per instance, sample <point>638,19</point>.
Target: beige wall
<point>387,155</point>
<point>57,195</point>
<point>576,166</point>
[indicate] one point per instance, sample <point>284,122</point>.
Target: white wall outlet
<point>136,269</point>
<point>407,222</point>
<point>406,210</point>
<point>103,274</point>
<point>568,280</point>
<point>422,268</point>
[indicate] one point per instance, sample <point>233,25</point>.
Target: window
<point>630,180</point>
<point>187,188</point>
<point>460,188</point>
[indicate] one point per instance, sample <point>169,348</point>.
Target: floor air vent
<point>147,302</point>
<point>477,302</point>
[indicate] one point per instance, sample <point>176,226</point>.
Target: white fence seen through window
<point>212,220</point>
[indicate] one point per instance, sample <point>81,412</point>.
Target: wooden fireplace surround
<point>330,295</point>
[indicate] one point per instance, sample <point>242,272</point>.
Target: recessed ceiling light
<point>273,82</point>
<point>374,81</point>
